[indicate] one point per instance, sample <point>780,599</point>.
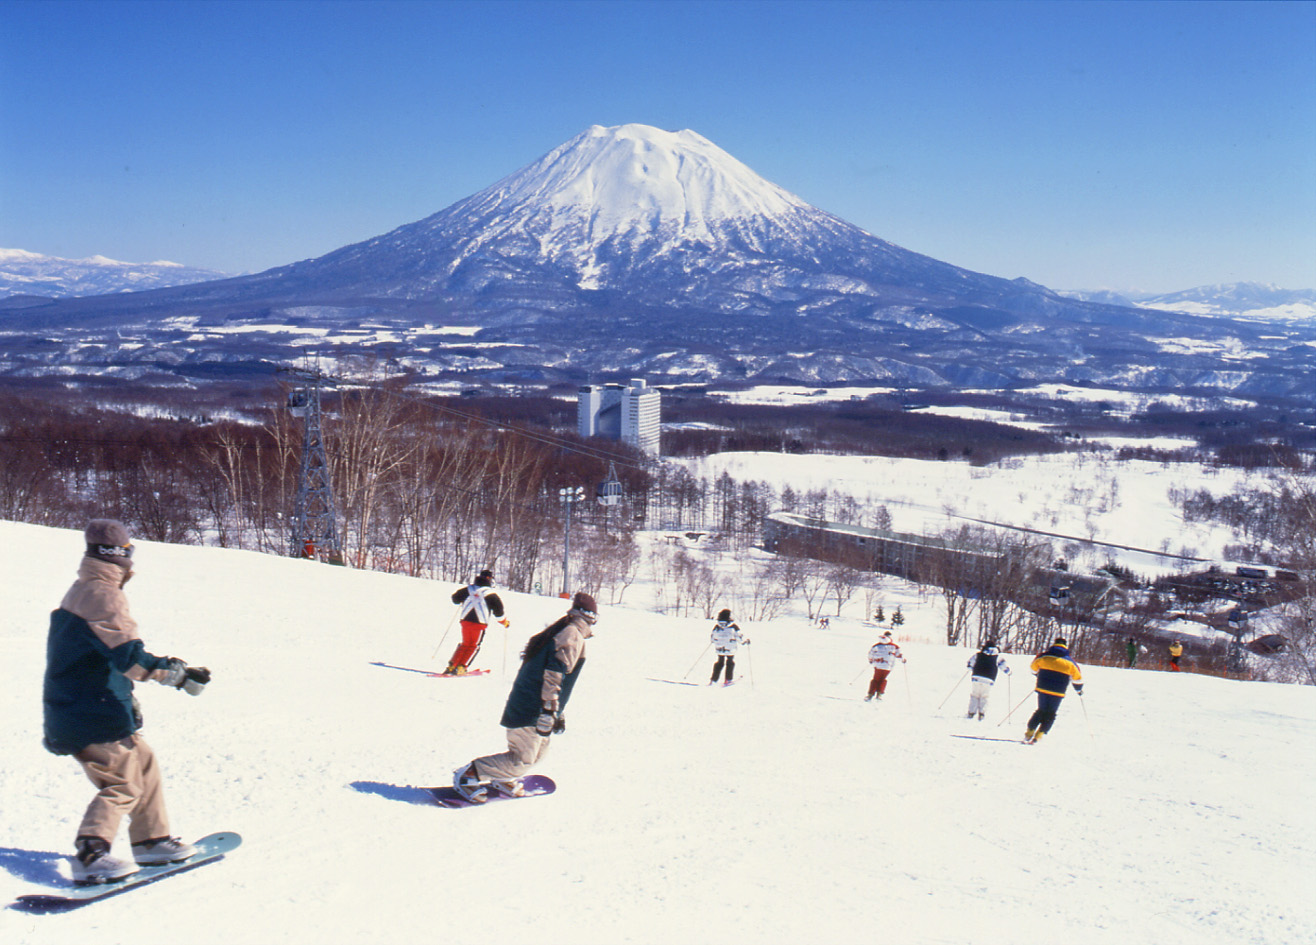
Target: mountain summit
<point>666,215</point>
<point>630,250</point>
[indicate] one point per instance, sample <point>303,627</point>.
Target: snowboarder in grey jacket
<point>726,639</point>
<point>550,665</point>
<point>93,656</point>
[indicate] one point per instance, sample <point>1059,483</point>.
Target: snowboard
<point>536,785</point>
<point>208,850</point>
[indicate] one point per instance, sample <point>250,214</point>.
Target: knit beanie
<point>584,604</point>
<point>724,615</point>
<point>108,540</point>
<point>485,578</point>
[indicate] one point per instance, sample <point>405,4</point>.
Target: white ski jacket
<point>726,638</point>
<point>884,656</point>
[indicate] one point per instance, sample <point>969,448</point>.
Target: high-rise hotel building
<point>631,414</point>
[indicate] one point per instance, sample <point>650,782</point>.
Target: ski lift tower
<point>315,518</point>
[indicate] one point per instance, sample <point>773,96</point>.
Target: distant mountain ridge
<point>27,273</point>
<point>635,251</point>
<point>1251,300</point>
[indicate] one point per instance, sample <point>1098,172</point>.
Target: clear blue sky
<point>1126,145</point>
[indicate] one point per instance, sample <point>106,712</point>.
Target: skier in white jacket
<point>985,664</point>
<point>726,639</point>
<point>882,657</point>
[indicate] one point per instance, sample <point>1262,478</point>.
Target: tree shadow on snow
<point>408,793</point>
<point>35,866</point>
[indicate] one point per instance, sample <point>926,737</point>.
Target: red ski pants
<point>878,685</point>
<point>472,637</point>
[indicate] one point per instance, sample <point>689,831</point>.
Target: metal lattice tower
<point>315,519</point>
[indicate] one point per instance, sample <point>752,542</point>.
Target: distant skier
<point>726,638</point>
<point>93,655</point>
<point>1131,652</point>
<point>985,664</point>
<point>1176,651</point>
<point>1054,671</point>
<point>478,603</point>
<point>882,657</point>
<point>550,665</point>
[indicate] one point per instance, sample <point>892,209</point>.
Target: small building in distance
<point>631,414</point>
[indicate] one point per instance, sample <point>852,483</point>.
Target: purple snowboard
<point>535,786</point>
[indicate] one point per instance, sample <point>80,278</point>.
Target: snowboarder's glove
<point>195,680</point>
<point>746,642</point>
<point>546,722</point>
<point>504,621</point>
<point>559,725</point>
<point>173,672</point>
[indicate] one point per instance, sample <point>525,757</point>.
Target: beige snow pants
<point>127,781</point>
<point>525,749</point>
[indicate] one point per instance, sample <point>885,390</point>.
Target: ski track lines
<point>1174,812</point>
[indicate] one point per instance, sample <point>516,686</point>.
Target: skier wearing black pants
<point>1054,671</point>
<point>726,638</point>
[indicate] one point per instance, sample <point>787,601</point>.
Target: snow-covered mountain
<point>664,218</point>
<point>24,273</point>
<point>632,250</point>
<point>1247,300</point>
<point>1252,300</point>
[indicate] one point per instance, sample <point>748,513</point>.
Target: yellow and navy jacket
<point>1054,670</point>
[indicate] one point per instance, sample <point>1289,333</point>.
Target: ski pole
<point>904,670</point>
<point>1087,723</point>
<point>751,667</point>
<point>696,662</point>
<point>952,690</point>
<point>451,621</point>
<point>860,673</point>
<point>1012,711</point>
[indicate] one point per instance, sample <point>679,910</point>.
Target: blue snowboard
<point>208,850</point>
<point>536,785</point>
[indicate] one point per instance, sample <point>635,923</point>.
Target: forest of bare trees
<point>434,488</point>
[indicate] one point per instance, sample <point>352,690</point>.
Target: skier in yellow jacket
<point>1054,671</point>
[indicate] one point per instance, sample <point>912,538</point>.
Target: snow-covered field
<point>1162,809</point>
<point>1087,496</point>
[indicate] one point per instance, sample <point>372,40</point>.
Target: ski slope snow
<point>1162,809</point>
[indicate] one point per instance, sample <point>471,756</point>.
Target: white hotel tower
<point>630,414</point>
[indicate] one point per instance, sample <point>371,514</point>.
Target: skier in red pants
<point>478,603</point>
<point>882,657</point>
